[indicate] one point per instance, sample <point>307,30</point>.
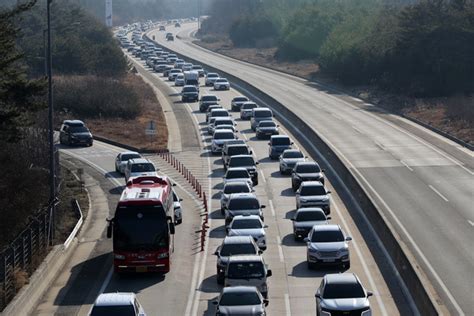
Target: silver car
<point>313,194</point>
<point>289,158</point>
<point>122,159</point>
<point>327,245</point>
<point>218,139</point>
<point>242,204</point>
<point>237,175</point>
<point>305,219</point>
<point>342,294</point>
<point>117,303</point>
<point>249,225</point>
<point>240,300</point>
<point>246,110</point>
<point>249,271</point>
<point>211,78</point>
<point>178,211</point>
<point>139,167</point>
<point>179,80</point>
<point>221,84</point>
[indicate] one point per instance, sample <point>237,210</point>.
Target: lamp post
<point>52,171</point>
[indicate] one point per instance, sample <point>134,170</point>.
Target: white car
<point>173,74</point>
<point>178,211</point>
<point>187,67</point>
<point>179,80</point>
<point>221,84</point>
<point>117,304</point>
<point>122,159</point>
<point>249,225</point>
<point>219,138</point>
<point>232,188</point>
<point>139,167</point>
<point>237,175</point>
<point>211,78</point>
<point>289,158</point>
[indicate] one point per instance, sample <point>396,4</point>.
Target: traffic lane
<point>149,287</point>
<point>279,93</point>
<point>299,264</point>
<point>166,293</point>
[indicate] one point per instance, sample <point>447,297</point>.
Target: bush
<point>251,30</point>
<point>96,97</point>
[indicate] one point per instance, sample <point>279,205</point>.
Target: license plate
<point>141,269</point>
<point>329,260</point>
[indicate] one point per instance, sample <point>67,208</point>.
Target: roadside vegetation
<point>407,51</point>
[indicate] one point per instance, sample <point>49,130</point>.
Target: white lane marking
<point>357,130</point>
<point>272,209</point>
<point>336,116</point>
<point>362,213</point>
<point>280,249</point>
<point>243,135</point>
<point>470,222</point>
<point>379,145</point>
<point>356,99</point>
<point>406,165</point>
<point>287,305</point>
<point>439,193</point>
<point>362,260</point>
<point>263,176</point>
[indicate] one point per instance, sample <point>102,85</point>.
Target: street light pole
<point>52,172</point>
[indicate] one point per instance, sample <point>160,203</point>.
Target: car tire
<point>222,211</point>
<point>311,266</point>
<point>179,221</point>
<point>347,265</point>
<point>220,280</point>
<point>297,238</point>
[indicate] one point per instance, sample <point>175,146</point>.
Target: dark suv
<point>75,132</point>
<point>189,93</point>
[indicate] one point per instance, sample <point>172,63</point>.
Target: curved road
<point>423,183</point>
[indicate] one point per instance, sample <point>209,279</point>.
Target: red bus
<point>143,226</point>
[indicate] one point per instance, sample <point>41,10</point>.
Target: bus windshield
<point>140,228</point>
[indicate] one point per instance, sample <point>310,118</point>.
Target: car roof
<point>237,240</point>
<point>311,184</point>
<point>243,217</point>
<point>240,156</point>
<point>236,196</point>
<point>292,150</point>
<point>279,136</point>
<point>74,123</point>
<point>139,160</point>
<point>328,227</point>
<point>219,109</point>
<point>251,102</point>
<point>341,278</point>
<point>129,153</point>
<point>224,131</point>
<point>189,86</point>
<point>115,299</point>
<point>220,118</point>
<point>239,289</point>
<point>309,209</point>
<point>261,109</point>
<point>300,163</point>
<point>244,258</point>
<point>240,96</point>
<point>236,183</point>
<point>266,121</point>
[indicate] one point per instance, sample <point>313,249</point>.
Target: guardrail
<point>419,287</point>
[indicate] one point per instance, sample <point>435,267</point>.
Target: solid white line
<point>356,99</point>
<point>287,305</point>
<point>263,176</point>
<point>406,165</point>
<point>470,222</point>
<point>243,135</point>
<point>437,192</point>
<point>272,209</point>
<point>357,130</point>
<point>280,249</point>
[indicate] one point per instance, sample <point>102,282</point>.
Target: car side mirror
<point>180,199</point>
<point>174,184</point>
<point>268,143</point>
<point>109,228</point>
<point>323,170</point>
<point>250,152</point>
<point>269,273</point>
<point>328,218</point>
<point>215,302</point>
<point>263,206</point>
<point>369,294</point>
<point>216,253</point>
<point>317,295</point>
<point>348,238</point>
<point>265,302</point>
<point>306,239</point>
<point>265,226</point>
<point>293,219</point>
<point>257,163</point>
<point>172,230</point>
<point>260,251</point>
<point>328,192</point>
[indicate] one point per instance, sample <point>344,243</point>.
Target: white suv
<point>139,167</point>
<point>117,304</point>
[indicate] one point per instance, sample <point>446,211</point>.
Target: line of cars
<point>240,266</point>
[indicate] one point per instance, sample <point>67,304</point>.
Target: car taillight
<point>119,257</point>
<point>163,255</point>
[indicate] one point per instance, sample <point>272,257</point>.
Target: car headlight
<point>303,200</point>
<point>119,257</point>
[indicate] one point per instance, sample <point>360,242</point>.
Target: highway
<point>421,182</point>
<point>191,285</point>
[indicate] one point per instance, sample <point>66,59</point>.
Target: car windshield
<point>126,157</point>
<point>236,188</point>
<point>224,122</point>
<point>245,270</point>
<point>244,204</point>
<point>310,216</point>
<point>241,161</point>
<point>78,129</point>
<point>307,168</point>
<point>248,106</point>
<point>240,299</point>
<point>247,224</point>
<point>218,127</point>
<point>267,124</point>
<point>237,150</point>
<point>327,236</point>
<point>240,99</point>
<point>312,190</point>
<point>113,310</point>
<point>140,228</point>
<point>209,98</point>
<point>142,167</point>
<point>266,113</point>
<point>224,135</point>
<point>197,67</point>
<point>343,290</point>
<point>212,75</point>
<point>293,154</point>
<point>220,113</point>
<point>280,141</point>
<point>237,249</point>
<point>180,76</point>
<point>236,174</point>
<point>221,80</point>
<point>189,89</point>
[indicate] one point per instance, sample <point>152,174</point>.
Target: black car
<point>206,101</point>
<point>266,129</point>
<point>237,102</point>
<point>75,132</point>
<point>189,93</point>
<point>244,161</point>
<point>306,171</point>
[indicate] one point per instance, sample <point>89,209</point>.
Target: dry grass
<point>20,277</point>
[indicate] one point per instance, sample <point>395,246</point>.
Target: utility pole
<point>52,171</point>
<point>199,14</point>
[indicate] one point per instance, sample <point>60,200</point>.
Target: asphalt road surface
<point>422,182</point>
